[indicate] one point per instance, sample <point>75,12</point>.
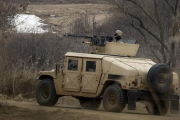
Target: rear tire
<point>46,94</point>
<point>114,98</point>
<point>160,109</point>
<point>90,103</point>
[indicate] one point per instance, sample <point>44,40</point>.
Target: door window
<point>90,66</point>
<point>73,65</point>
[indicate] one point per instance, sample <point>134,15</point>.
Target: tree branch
<point>118,5</point>
<point>145,12</point>
<point>147,30</point>
<point>139,30</point>
<point>142,25</point>
<point>161,30</point>
<point>170,5</point>
<point>176,6</point>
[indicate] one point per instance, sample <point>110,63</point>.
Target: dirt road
<point>76,112</point>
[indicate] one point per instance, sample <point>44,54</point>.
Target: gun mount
<point>105,45</point>
<point>94,40</point>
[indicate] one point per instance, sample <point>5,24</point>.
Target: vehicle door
<point>72,77</point>
<point>91,75</point>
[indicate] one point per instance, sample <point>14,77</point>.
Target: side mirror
<point>58,67</point>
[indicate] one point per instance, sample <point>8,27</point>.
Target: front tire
<point>46,94</point>
<point>114,98</point>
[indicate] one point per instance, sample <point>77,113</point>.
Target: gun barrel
<point>94,40</point>
<point>82,36</point>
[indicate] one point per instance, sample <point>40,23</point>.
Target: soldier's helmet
<point>119,32</point>
<point>118,35</point>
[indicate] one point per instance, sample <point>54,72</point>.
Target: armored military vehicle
<point>110,73</point>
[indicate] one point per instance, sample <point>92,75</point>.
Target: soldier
<point>118,36</point>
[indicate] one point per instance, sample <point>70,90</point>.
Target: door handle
<point>79,77</point>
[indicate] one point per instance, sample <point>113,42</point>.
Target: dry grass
<point>67,14</point>
<point>24,55</point>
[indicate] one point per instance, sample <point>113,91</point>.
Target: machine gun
<point>94,40</point>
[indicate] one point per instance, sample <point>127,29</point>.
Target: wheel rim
<point>45,92</point>
<point>112,99</point>
<point>162,79</point>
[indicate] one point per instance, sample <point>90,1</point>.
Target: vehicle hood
<point>127,66</point>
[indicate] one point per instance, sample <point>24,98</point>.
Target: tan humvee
<point>112,74</point>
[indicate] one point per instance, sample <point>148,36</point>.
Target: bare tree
<point>158,22</point>
<point>8,9</point>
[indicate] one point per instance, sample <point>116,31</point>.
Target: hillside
<point>62,17</point>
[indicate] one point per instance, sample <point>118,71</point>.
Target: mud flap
<point>132,98</point>
<point>175,106</point>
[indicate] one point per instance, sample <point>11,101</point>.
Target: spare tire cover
<point>160,78</point>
